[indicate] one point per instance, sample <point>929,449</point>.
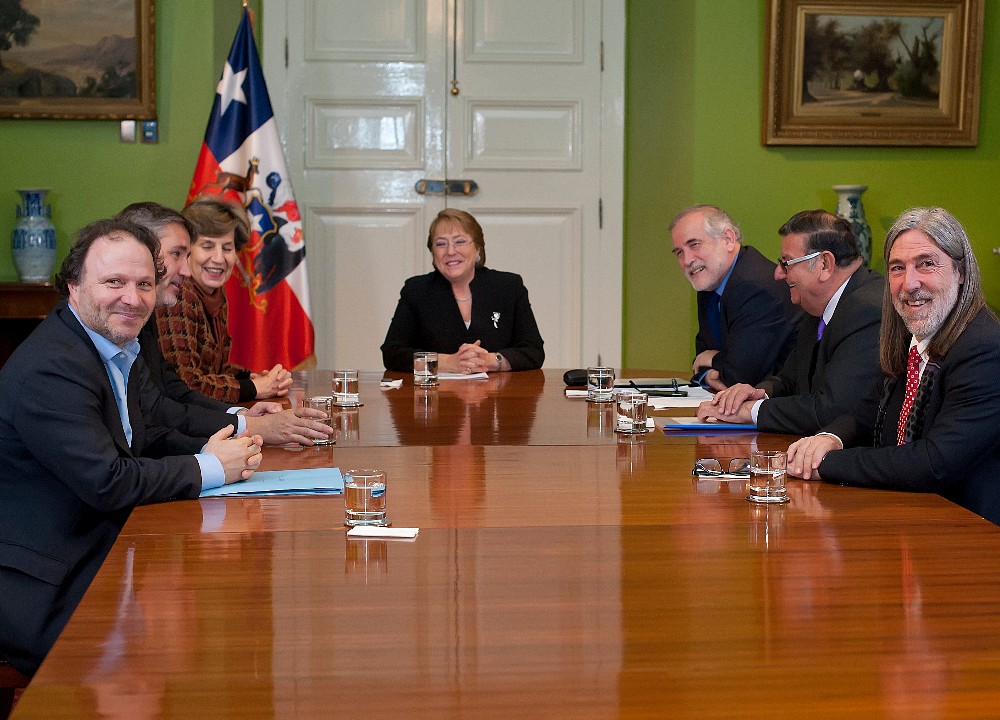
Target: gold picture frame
<point>81,60</point>
<point>856,72</point>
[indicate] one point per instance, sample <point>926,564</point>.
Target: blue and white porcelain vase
<point>33,241</point>
<point>850,207</point>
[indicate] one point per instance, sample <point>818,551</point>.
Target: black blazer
<point>69,479</point>
<point>758,322</point>
<point>427,318</point>
<point>169,401</point>
<point>820,381</point>
<point>954,443</point>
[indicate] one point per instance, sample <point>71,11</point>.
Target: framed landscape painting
<point>873,73</point>
<point>77,59</point>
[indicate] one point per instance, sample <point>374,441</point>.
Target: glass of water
<point>323,404</point>
<point>345,388</point>
<point>600,384</point>
<point>364,497</point>
<point>425,368</point>
<point>631,411</point>
<point>767,476</point>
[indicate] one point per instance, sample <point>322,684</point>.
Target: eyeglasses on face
<point>457,243</point>
<point>711,467</point>
<point>794,261</point>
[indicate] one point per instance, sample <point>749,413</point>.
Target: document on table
<point>463,376</point>
<point>653,383</point>
<point>311,481</point>
<point>696,395</point>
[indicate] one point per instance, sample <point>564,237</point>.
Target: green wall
<point>91,174</point>
<point>693,105</point>
<point>703,60</point>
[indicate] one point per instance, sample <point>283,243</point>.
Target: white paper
<point>695,397</point>
<point>382,532</point>
<point>391,383</point>
<point>463,376</point>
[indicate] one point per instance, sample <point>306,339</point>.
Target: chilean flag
<point>242,160</point>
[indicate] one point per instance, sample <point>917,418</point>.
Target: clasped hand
<point>272,383</point>
<point>731,405</point>
<point>239,455</point>
<point>470,358</point>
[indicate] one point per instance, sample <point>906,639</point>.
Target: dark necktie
<point>912,380</point>
<point>713,313</point>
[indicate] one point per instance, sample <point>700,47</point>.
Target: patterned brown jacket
<point>202,360</point>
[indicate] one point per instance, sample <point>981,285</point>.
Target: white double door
<point>378,96</point>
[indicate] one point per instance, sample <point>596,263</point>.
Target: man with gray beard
<point>936,427</point>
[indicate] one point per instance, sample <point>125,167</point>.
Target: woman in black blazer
<point>476,319</point>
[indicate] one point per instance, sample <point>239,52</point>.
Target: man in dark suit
<point>183,407</point>
<point>76,451</point>
<point>936,426</point>
<point>746,323</point>
<point>835,359</point>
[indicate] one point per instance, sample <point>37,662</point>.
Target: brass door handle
<point>446,187</point>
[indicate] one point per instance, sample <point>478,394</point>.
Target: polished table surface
<point>560,571</point>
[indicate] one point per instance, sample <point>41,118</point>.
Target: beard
<point>924,321</point>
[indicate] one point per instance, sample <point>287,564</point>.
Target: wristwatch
<point>499,361</point>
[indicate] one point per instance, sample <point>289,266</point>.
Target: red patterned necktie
<point>912,380</point>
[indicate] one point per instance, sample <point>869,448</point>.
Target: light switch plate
<point>127,132</point>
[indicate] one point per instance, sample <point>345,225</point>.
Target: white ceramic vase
<point>33,242</point>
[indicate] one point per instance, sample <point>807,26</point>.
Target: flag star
<point>256,224</point>
<point>230,88</point>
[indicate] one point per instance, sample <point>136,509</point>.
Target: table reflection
<point>465,412</point>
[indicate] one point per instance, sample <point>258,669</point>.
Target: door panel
<point>366,110</point>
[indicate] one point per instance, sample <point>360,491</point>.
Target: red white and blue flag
<point>242,160</point>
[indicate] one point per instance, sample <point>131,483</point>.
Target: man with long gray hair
<point>936,427</point>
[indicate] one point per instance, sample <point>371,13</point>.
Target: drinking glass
<point>425,368</point>
<point>631,412</point>
<point>323,404</point>
<point>767,476</point>
<point>364,497</point>
<point>600,384</point>
<point>345,388</point>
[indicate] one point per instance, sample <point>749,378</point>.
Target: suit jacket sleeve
<point>403,337</point>
<point>70,426</point>
<point>962,426</point>
<point>845,366</point>
<point>191,420</point>
<point>525,349</point>
<point>759,322</point>
<point>757,333</point>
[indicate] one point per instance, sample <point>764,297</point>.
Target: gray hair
<point>948,234</point>
<point>717,221</point>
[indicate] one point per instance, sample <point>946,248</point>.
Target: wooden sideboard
<point>22,307</point>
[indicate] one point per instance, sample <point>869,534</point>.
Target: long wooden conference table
<point>560,571</point>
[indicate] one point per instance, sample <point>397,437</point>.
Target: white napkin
<point>386,383</point>
<point>382,532</point>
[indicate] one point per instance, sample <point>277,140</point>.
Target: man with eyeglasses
<point>936,426</point>
<point>835,359</point>
<point>746,323</point>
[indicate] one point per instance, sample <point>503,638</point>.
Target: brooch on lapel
<point>496,319</point>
